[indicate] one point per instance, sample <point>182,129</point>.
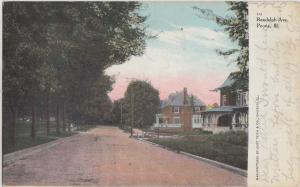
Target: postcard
<point>150,93</point>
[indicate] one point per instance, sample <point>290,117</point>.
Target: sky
<point>183,53</point>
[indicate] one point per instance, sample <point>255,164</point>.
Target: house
<point>180,111</point>
<point>233,111</point>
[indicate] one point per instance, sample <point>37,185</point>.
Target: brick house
<point>233,111</point>
<point>180,111</point>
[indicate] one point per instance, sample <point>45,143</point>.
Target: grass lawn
<point>23,138</point>
<point>23,142</point>
<point>229,148</point>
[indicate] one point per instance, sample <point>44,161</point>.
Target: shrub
<point>229,148</point>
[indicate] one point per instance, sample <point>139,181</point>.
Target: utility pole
<point>132,107</point>
<point>121,114</point>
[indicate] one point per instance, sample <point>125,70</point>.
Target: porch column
<point>240,119</point>
<point>201,120</point>
<point>233,122</point>
<point>233,119</point>
<point>215,119</point>
<point>243,118</point>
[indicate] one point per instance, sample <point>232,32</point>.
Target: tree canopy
<point>141,103</point>
<point>61,49</point>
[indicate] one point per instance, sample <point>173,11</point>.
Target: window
<point>224,100</point>
<point>245,98</point>
<point>238,99</point>
<point>196,119</point>
<point>242,99</point>
<point>176,120</point>
<point>197,109</point>
<point>176,109</point>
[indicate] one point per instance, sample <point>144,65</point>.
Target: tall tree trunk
<point>57,119</point>
<point>33,119</point>
<point>63,117</point>
<point>13,126</point>
<point>69,126</point>
<point>41,117</point>
<point>47,115</point>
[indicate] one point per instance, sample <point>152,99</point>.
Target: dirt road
<point>106,156</point>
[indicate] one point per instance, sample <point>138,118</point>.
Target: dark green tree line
<point>55,53</point>
<point>117,112</point>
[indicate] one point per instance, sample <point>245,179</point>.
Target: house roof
<point>176,99</point>
<point>228,82</point>
<point>231,80</point>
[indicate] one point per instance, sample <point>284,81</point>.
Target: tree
<point>215,105</point>
<point>141,103</point>
<point>117,112</point>
<point>237,28</point>
<point>56,52</point>
<point>21,56</point>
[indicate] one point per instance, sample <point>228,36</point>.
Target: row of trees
<point>55,54</point>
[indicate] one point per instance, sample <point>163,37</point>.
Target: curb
<point>24,153</point>
<point>218,164</point>
<point>209,161</point>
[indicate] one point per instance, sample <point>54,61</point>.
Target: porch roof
<point>220,109</point>
<point>240,108</point>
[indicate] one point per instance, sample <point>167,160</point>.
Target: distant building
<point>233,111</point>
<point>186,112</point>
<point>180,110</point>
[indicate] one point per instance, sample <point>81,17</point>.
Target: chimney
<point>185,96</point>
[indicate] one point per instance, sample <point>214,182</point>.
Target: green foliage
<point>229,147</point>
<point>237,28</point>
<point>116,112</point>
<point>194,133</point>
<point>233,137</point>
<point>23,139</point>
<point>61,49</point>
<point>24,142</point>
<point>141,103</point>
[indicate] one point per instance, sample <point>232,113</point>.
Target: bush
<point>232,137</point>
<point>229,148</point>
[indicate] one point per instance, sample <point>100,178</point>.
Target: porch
<point>160,122</point>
